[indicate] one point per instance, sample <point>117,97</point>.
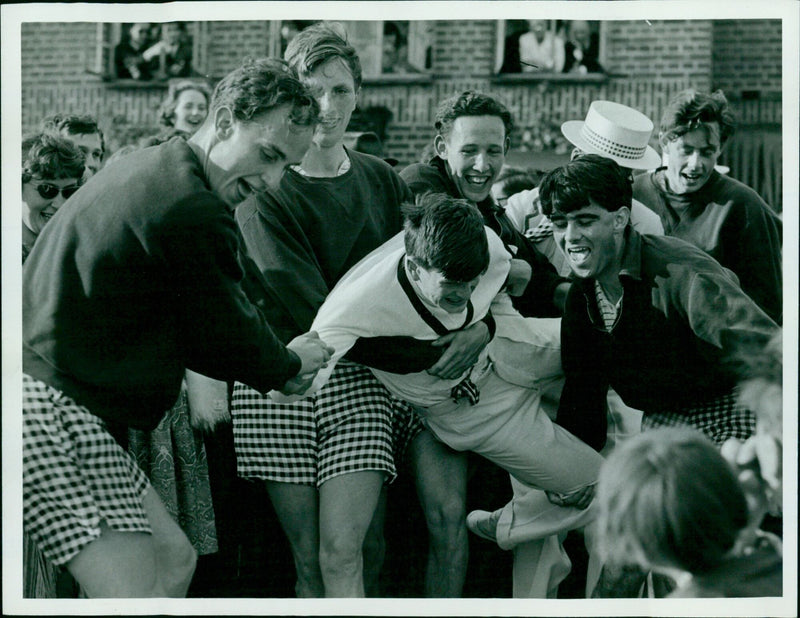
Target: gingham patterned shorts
<point>719,419</point>
<point>74,475</point>
<point>352,424</point>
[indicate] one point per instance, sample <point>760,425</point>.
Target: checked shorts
<point>74,475</point>
<point>351,424</point>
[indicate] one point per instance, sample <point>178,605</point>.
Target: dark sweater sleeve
<point>224,334</point>
<point>537,299</point>
<point>582,408</point>
<point>753,244</point>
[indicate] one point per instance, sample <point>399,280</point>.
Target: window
<point>148,52</point>
<point>385,48</point>
<point>549,47</point>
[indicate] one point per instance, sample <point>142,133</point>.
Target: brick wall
<point>747,56</point>
<point>230,41</point>
<point>648,63</point>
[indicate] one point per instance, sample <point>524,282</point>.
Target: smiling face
<point>91,146</point>
<point>191,110</point>
<point>691,158</point>
<point>591,238</point>
<point>37,210</point>
<point>436,289</point>
<point>475,151</point>
<point>333,87</point>
<point>252,156</point>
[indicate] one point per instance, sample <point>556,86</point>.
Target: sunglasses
<point>50,192</point>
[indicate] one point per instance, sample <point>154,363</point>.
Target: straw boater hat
<point>617,132</point>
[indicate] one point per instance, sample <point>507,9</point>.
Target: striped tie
<point>466,389</point>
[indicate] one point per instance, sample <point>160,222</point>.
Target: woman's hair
<point>690,109</point>
<point>446,234</point>
<point>667,498</point>
<point>319,43</point>
<point>166,113</point>
<point>50,157</point>
<point>260,85</point>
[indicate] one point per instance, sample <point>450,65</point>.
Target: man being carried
<point>443,273</point>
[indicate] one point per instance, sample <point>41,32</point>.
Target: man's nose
<point>324,102</point>
<point>571,232</point>
<point>481,162</point>
<point>694,159</point>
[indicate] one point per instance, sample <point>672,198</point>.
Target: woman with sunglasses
<point>52,168</point>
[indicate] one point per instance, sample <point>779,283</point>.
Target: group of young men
<point>146,272</point>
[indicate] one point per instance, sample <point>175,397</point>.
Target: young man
<point>653,317</point>
<point>441,275</point>
<point>328,213</point>
<point>135,280</point>
<point>718,214</point>
<point>472,139</point>
<point>82,131</point>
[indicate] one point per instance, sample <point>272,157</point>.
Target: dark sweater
<point>730,222</point>
<point>537,299</point>
<point>682,321</point>
<point>307,234</point>
<point>135,279</point>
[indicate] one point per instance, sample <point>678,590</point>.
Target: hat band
<point>611,147</point>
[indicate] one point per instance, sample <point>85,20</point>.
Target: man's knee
<point>340,554</point>
<point>446,517</point>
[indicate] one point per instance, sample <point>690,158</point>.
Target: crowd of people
<point>608,332</point>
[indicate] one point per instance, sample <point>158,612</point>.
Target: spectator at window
<point>581,49</point>
<point>173,53</point>
<point>540,49</point>
<point>394,59</point>
<point>129,62</point>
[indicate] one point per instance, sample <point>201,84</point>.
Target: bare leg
<point>375,548</point>
<point>347,504</point>
<point>134,564</point>
<point>441,478</point>
<point>297,507</point>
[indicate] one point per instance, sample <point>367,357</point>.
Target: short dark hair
<point>319,43</point>
<point>51,157</point>
<point>470,103</point>
<point>690,109</point>
<point>166,113</point>
<point>589,177</point>
<point>446,234</point>
<point>260,85</point>
<point>73,124</point>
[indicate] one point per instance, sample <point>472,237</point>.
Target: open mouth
<point>579,255</point>
<point>478,181</point>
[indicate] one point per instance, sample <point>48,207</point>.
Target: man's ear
<point>506,145</point>
<point>440,146</point>
<point>413,268</point>
<point>621,218</point>
<point>223,123</point>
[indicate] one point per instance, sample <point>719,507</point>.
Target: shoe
<point>484,524</point>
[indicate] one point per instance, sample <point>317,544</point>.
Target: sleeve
<point>721,314</point>
<point>582,408</point>
<point>289,270</point>
<point>537,299</point>
<point>520,207</point>
<point>753,250</point>
<point>224,334</point>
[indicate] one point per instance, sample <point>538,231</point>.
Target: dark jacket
<point>682,320</point>
<point>537,299</point>
<point>135,279</point>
